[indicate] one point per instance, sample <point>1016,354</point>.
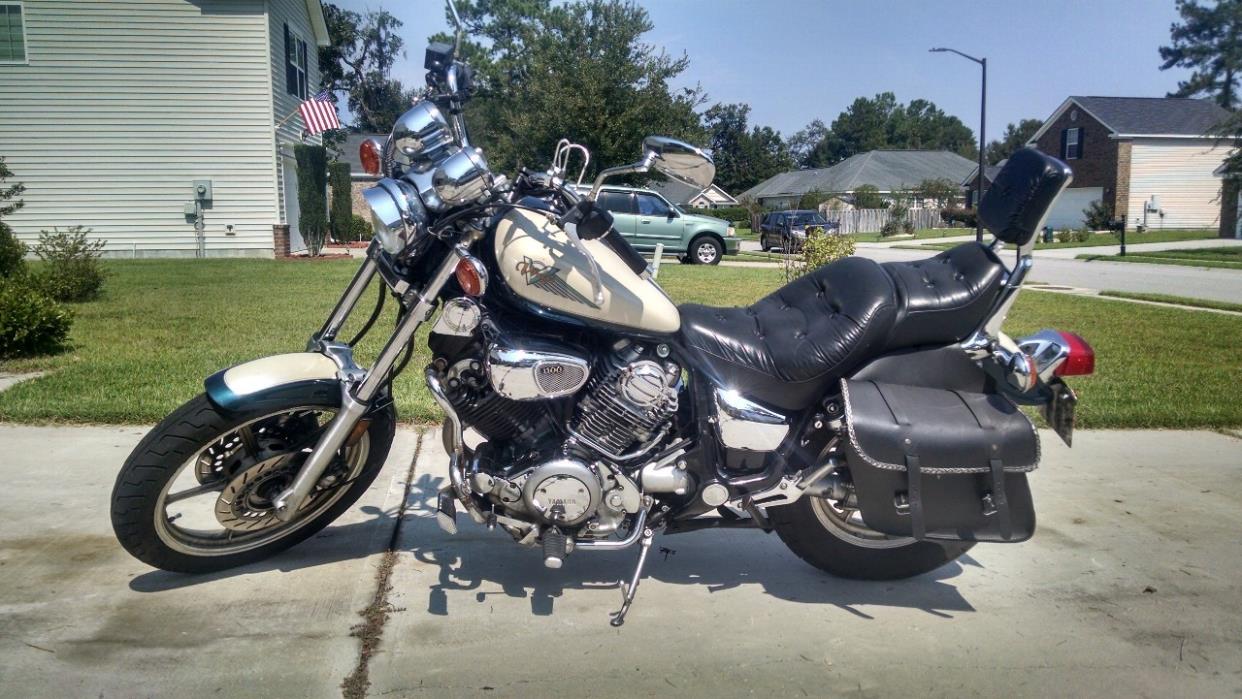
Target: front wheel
<point>835,540</point>
<point>195,496</point>
<point>706,250</point>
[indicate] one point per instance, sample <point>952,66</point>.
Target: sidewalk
<point>1129,587</point>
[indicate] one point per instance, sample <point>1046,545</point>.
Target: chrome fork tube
<point>346,304</point>
<point>356,400</point>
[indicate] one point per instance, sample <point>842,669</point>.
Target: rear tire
<point>159,458</point>
<point>807,533</point>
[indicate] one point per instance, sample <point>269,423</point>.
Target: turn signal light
<point>1081,359</point>
<point>471,276</point>
<point>371,154</point>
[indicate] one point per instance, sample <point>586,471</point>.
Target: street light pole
<point>983,115</point>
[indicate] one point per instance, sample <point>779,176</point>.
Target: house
<point>683,194</point>
<point>889,171</point>
<point>971,183</point>
<point>359,179</point>
<point>114,112</point>
<point>1150,159</point>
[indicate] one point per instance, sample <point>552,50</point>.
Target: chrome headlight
<point>397,214</point>
<point>462,177</point>
<point>422,135</point>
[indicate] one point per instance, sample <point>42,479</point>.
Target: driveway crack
<point>375,615</point>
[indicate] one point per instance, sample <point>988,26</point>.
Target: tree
<point>1014,138</point>
<point>1208,41</point>
<point>940,191</point>
<point>882,122</point>
<point>743,157</point>
<point>312,195</point>
<point>578,71</point>
<point>868,197</point>
<point>812,200</point>
<point>359,62</point>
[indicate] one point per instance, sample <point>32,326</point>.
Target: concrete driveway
<point>1131,586</point>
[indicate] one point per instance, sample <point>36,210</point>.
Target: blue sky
<point>796,60</point>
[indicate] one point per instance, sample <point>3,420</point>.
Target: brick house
<point>1151,159</point>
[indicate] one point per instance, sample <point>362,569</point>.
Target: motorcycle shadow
<point>488,563</point>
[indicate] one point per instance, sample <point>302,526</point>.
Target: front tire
<point>190,438</point>
<point>706,250</point>
<point>823,536</point>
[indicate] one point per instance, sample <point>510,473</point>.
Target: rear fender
<point>275,382</point>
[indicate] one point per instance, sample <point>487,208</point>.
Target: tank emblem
<point>540,275</point>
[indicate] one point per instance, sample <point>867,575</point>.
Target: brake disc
<point>245,504</point>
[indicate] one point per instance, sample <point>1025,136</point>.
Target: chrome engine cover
<point>520,374</point>
<point>563,492</point>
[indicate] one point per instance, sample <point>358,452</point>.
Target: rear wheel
<point>706,250</point>
<point>835,540</point>
<point>195,496</point>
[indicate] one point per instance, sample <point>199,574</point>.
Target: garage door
<point>1067,213</point>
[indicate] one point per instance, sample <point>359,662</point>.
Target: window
<point>295,64</point>
<point>12,33</point>
<point>617,202</point>
<point>651,205</point>
<point>1071,140</point>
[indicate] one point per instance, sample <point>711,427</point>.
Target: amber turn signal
<point>471,276</point>
<point>370,153</point>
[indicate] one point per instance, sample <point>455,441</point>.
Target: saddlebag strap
<point>914,494</point>
<point>999,501</point>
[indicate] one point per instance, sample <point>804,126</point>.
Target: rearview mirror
<point>680,161</point>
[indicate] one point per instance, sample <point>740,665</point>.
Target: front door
<point>292,212</point>
<point>621,206</point>
<point>658,223</point>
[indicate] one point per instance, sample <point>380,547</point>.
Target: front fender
<point>275,382</point>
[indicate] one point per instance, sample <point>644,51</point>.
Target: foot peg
<point>618,617</point>
<point>446,511</point>
<point>554,548</point>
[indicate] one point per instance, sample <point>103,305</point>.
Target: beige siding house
<point>113,110</point>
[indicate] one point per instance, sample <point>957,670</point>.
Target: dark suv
<point>786,230</point>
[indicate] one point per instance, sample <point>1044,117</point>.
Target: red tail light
<point>1081,359</point>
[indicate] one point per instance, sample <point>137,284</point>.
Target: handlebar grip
<point>631,257</point>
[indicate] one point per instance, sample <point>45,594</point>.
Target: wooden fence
<point>872,220</point>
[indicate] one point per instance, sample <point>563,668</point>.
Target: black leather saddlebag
<point>940,464</point>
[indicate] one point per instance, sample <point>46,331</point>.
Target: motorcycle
<point>866,413</point>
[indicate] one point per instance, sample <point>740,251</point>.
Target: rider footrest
<point>940,464</point>
<point>554,548</point>
<point>446,511</point>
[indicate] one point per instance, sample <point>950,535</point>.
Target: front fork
<point>360,387</point>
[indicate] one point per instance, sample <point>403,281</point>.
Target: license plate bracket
<point>1059,410</point>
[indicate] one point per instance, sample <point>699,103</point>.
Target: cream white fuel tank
<point>539,262</point>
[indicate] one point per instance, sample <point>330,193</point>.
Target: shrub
<point>312,196</point>
<point>965,218</point>
<point>342,201</point>
<point>71,270</point>
<point>30,322</point>
<point>360,228</point>
<point>1098,216</point>
<point>868,197</point>
<point>12,252</point>
<point>898,221</point>
<point>732,214</point>
<point>819,249</point>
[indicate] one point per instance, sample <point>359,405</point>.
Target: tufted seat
<point>789,347</point>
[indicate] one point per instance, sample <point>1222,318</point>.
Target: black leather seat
<point>790,347</point>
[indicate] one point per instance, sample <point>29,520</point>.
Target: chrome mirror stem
<point>633,168</point>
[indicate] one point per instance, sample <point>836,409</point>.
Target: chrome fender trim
<point>273,380</point>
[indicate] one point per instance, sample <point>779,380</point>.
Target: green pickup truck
<point>647,219</point>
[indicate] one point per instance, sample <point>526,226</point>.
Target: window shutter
<point>291,74</point>
<point>1081,135</point>
<point>1064,144</point>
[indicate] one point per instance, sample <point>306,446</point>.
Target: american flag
<point>319,112</point>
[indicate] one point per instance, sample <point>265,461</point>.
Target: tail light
<point>1080,359</point>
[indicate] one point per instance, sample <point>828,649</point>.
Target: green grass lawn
<point>1222,258</point>
<point>1180,300</point>
<point>164,325</point>
<point>919,234</point>
<point>1101,239</point>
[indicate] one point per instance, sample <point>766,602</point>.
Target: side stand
<point>618,617</point>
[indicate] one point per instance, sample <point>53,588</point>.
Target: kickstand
<point>618,617</point>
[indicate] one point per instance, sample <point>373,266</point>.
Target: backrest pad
<point>1022,194</point>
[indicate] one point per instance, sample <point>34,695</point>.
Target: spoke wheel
<point>219,502</point>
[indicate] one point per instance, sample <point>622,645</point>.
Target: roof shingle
<point>1155,115</point>
<point>886,170</point>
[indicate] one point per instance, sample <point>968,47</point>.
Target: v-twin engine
<point>629,400</point>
